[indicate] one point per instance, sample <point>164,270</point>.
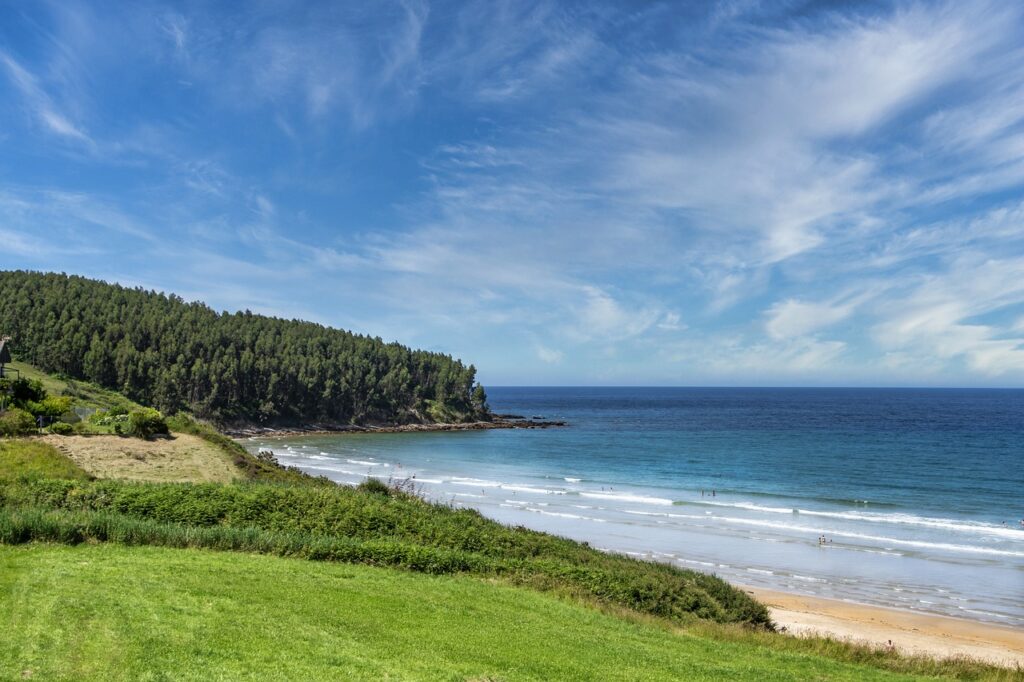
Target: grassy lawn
<point>106,612</point>
<point>35,458</point>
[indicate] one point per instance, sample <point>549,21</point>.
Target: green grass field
<point>20,458</point>
<point>104,612</point>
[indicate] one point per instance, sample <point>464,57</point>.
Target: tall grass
<point>340,524</point>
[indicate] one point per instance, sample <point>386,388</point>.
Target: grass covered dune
<point>106,612</point>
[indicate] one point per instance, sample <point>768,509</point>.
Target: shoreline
<point>340,429</point>
<point>911,632</point>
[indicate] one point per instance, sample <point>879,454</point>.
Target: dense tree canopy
<point>175,355</point>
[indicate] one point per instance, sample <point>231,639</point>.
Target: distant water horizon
<point>917,492</point>
<point>501,387</point>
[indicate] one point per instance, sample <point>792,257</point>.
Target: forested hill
<point>174,355</point>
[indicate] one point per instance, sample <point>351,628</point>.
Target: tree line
<point>175,355</point>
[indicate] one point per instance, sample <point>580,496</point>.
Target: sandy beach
<point>910,632</point>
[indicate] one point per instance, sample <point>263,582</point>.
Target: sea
<point>903,498</point>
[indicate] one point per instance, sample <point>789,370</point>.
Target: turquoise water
<point>919,493</point>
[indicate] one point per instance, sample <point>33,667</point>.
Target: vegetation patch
<point>114,613</point>
<point>251,467</point>
<point>182,458</point>
<point>33,458</point>
<point>184,357</point>
<point>343,524</point>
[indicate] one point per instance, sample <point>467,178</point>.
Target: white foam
<point>551,513</point>
<point>475,482</point>
<point>808,578</point>
<point>363,462</point>
<point>840,533</point>
<point>695,562</point>
<point>570,479</point>
<point>958,526</point>
<point>662,514</point>
<point>531,489</point>
<point>626,497</point>
<point>945,546</point>
<point>334,469</point>
<point>750,506</point>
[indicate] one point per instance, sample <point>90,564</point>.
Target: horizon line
<point>854,388</point>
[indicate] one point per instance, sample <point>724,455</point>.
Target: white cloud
<point>40,102</point>
<point>549,355</point>
<point>599,316</point>
<point>938,316</point>
<point>735,359</point>
<point>790,318</point>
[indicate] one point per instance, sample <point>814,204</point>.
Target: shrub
<point>51,406</point>
<point>16,422</point>
<point>54,406</point>
<point>374,486</point>
<point>25,390</point>
<point>146,423</point>
<point>61,428</point>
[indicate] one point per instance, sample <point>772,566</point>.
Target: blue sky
<point>731,193</point>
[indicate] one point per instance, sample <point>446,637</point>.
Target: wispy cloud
<point>778,191</point>
<point>40,103</point>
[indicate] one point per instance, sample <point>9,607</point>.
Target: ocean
<point>918,494</point>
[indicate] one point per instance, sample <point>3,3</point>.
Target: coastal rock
<point>499,422</point>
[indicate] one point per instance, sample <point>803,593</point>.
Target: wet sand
<point>910,632</point>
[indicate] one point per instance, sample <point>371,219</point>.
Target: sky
<point>596,193</point>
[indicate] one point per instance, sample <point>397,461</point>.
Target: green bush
<point>62,428</point>
<point>146,423</point>
<point>374,486</point>
<point>25,390</point>
<point>16,422</point>
<point>54,406</point>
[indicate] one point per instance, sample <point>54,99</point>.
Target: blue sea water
<point>919,493</point>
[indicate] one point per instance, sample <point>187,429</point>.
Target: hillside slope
<point>113,613</point>
<point>162,351</point>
